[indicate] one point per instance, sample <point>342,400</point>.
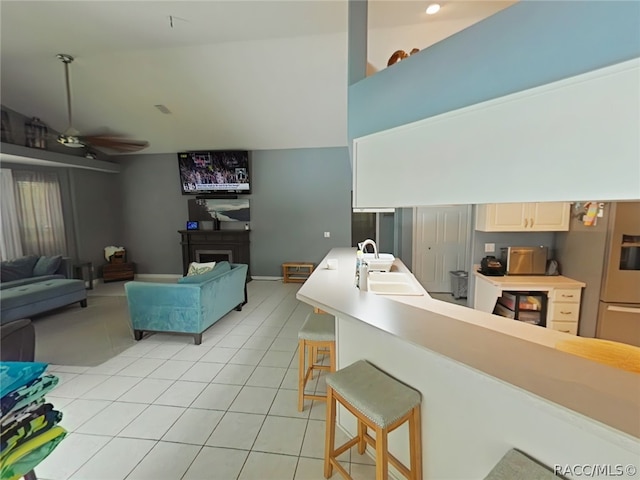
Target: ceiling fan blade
<point>119,144</point>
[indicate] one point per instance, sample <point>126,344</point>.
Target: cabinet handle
<point>566,296</point>
<point>526,222</point>
<point>565,313</point>
<point>565,331</point>
<point>531,222</point>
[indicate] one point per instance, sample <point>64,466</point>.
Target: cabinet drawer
<point>566,327</point>
<point>571,295</point>
<point>564,311</point>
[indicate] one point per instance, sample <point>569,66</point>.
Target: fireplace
<point>204,256</point>
<point>215,246</point>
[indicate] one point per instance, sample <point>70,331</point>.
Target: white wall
<point>574,139</point>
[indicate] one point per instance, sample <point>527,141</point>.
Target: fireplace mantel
<point>235,243</point>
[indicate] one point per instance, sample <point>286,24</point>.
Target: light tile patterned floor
<point>227,409</point>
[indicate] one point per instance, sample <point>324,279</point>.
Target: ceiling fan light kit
<point>71,138</point>
<point>70,141</point>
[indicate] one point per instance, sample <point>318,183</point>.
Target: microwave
<point>524,260</point>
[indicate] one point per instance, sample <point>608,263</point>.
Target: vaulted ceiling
<point>256,74</point>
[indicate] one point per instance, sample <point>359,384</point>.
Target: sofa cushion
<point>47,265</point>
<point>36,292</point>
<point>220,269</point>
<point>16,269</point>
<point>196,268</point>
<point>26,281</point>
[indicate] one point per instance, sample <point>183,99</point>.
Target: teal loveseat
<point>190,306</point>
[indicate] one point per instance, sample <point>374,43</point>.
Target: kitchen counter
<point>487,382</point>
<point>530,282</point>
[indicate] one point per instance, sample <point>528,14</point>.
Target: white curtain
<point>10,245</point>
<point>39,207</point>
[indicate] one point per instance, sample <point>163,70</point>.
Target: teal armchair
<point>190,306</point>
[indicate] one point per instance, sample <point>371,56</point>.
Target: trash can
<point>459,282</point>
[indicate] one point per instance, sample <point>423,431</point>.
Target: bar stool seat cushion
<point>318,327</point>
<point>376,395</point>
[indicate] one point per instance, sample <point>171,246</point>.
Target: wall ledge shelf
<point>11,153</point>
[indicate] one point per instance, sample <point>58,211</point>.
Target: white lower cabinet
<point>563,297</point>
<point>563,310</point>
<point>566,327</point>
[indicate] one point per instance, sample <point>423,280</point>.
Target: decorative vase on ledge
<point>35,132</point>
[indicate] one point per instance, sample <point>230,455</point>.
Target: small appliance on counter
<point>524,260</point>
<point>492,266</point>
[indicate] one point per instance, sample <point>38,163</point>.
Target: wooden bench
<point>296,272</point>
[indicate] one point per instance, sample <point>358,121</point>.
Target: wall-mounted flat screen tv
<point>214,172</point>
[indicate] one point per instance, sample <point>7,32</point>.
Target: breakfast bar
<point>488,383</point>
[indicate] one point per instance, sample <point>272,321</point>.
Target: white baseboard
<point>262,277</point>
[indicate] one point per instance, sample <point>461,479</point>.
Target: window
<point>39,212</point>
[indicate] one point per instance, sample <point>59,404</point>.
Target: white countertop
<point>523,281</point>
<point>515,352</point>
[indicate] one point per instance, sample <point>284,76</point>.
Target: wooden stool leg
<point>301,373</point>
<point>332,356</point>
<point>362,431</point>
<point>330,436</point>
<point>415,444</point>
<point>314,359</point>
<point>382,460</point>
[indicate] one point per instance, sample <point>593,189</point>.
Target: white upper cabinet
<point>523,217</point>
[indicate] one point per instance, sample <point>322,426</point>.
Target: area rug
<point>84,336</point>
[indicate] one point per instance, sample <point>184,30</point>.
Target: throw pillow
<point>220,269</point>
<point>196,268</point>
<point>47,265</point>
<point>17,269</point>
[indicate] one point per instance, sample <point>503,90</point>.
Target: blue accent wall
<point>527,45</point>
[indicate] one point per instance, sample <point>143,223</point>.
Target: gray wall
<point>97,214</point>
<point>154,210</point>
<point>297,195</point>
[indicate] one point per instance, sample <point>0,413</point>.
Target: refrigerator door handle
<point>615,308</point>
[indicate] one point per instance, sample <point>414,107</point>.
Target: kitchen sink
<point>392,283</point>
<point>381,264</point>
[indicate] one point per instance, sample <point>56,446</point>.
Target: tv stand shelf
<point>296,272</point>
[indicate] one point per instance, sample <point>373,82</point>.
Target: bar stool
<point>381,403</point>
<point>318,332</point>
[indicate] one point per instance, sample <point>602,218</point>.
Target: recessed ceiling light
<point>433,8</point>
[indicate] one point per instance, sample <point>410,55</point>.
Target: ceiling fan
<point>72,138</point>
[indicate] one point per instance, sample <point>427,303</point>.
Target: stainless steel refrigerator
<point>607,258</point>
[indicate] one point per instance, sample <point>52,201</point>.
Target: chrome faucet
<point>368,241</point>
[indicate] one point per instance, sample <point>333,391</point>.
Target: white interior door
<point>440,244</point>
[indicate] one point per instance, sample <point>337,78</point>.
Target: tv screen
<point>214,171</point>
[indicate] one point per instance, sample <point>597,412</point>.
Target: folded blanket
<point>27,430</point>
<point>27,394</point>
<point>7,421</point>
<point>24,458</point>
<point>14,375</point>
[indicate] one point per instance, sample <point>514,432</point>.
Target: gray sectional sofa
<point>32,285</point>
